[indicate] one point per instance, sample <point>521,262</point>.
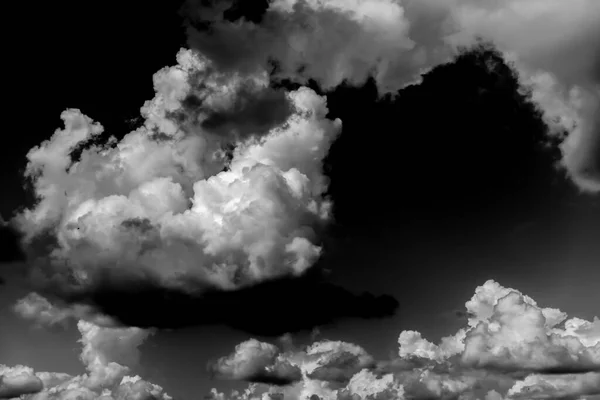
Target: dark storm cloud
<point>531,353</point>
<point>270,202</point>
<point>270,308</point>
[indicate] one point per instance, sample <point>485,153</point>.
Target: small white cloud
<point>135,206</point>
<point>256,361</point>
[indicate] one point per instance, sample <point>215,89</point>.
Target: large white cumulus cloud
<point>553,43</point>
<point>511,348</point>
<point>166,202</point>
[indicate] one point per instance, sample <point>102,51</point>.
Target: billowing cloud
<point>511,348</point>
<point>148,201</point>
<point>320,365</point>
<point>516,336</point>
<point>554,45</point>
<point>108,355</point>
<point>109,352</point>
<point>219,195</point>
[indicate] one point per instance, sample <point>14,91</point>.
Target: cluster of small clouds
<point>107,353</point>
<point>511,348</point>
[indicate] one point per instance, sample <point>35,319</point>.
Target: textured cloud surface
<point>555,46</point>
<point>256,361</point>
<point>107,353</point>
<point>173,207</point>
<point>511,348</point>
<point>221,190</point>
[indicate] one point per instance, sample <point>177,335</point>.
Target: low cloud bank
<point>511,348</point>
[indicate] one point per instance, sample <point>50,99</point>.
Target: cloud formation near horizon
<point>108,355</point>
<point>511,348</point>
<point>166,202</point>
<point>17,381</point>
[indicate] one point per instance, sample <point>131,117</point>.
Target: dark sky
<point>435,192</point>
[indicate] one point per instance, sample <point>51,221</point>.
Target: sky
<point>336,199</point>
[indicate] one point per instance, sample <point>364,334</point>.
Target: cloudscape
<point>321,200</point>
